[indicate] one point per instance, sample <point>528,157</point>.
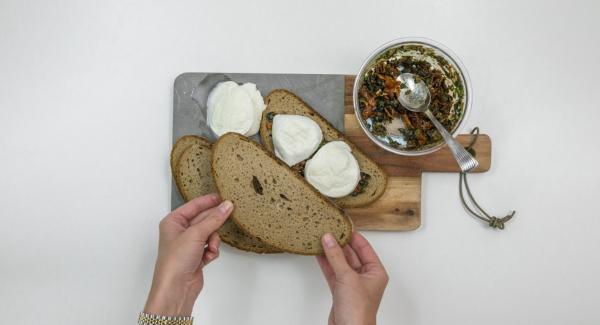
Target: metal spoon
<point>415,97</point>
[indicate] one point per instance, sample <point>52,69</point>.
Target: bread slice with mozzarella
<point>281,101</point>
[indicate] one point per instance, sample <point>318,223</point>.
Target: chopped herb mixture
<point>378,97</point>
<point>270,117</point>
<point>299,167</point>
<point>362,184</point>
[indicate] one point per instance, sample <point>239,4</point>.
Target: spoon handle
<point>462,156</point>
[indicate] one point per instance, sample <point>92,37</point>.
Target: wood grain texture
<point>399,209</point>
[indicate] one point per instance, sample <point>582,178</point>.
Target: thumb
<point>335,256</point>
<point>212,221</point>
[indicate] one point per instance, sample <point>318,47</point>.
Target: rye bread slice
<point>281,101</point>
<point>271,201</point>
<point>183,143</point>
<point>193,178</point>
<point>193,175</point>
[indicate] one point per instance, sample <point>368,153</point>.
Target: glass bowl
<point>438,50</point>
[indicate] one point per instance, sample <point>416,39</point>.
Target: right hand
<point>356,279</point>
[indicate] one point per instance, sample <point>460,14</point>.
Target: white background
<point>85,133</point>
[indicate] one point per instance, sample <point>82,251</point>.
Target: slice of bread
<point>183,143</point>
<point>193,177</point>
<point>281,101</point>
<point>271,201</point>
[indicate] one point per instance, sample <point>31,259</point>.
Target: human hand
<point>356,279</point>
<point>188,242</point>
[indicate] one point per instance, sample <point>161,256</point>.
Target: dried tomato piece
<point>391,87</point>
<point>368,103</point>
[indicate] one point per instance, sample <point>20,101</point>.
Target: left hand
<point>188,242</point>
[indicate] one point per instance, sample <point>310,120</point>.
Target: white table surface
<point>85,132</point>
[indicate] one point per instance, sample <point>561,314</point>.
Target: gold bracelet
<point>148,319</point>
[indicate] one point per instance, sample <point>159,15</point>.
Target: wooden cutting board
<point>400,206</point>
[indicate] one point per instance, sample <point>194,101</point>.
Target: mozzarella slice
<point>234,108</point>
<point>220,91</point>
<point>295,137</point>
<point>258,105</point>
<point>333,170</point>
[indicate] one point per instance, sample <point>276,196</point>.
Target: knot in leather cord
<point>496,222</point>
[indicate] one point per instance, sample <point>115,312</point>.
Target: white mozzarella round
<point>295,137</point>
<point>333,170</point>
<point>234,108</point>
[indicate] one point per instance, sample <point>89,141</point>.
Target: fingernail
<point>329,241</point>
<point>225,206</point>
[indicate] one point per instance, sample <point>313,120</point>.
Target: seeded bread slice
<point>271,201</point>
<point>193,178</point>
<point>281,101</point>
